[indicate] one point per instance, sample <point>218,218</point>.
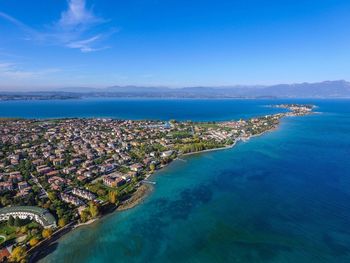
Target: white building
<point>40,215</point>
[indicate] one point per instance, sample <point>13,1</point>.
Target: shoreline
<point>137,198</point>
<point>86,223</point>
<point>209,150</point>
<point>141,192</point>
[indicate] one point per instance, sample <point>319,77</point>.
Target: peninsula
<point>76,170</point>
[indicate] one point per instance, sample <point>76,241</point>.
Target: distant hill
<point>326,89</point>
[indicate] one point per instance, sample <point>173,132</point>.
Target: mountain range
<point>325,89</point>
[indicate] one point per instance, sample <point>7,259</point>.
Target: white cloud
<point>74,25</point>
<point>86,44</point>
<point>75,29</point>
<point>78,15</point>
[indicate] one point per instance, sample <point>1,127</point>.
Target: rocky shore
<point>140,194</point>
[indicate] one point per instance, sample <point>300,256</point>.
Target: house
<point>69,170</point>
<point>53,173</point>
<point>113,181</point>
<point>38,162</point>
<point>43,169</point>
<point>109,181</point>
<point>5,253</point>
<point>57,161</point>
<point>6,186</point>
<point>15,177</point>
<point>147,161</point>
<point>24,192</point>
<point>83,194</point>
<point>108,168</point>
<point>56,182</point>
<point>22,185</point>
<point>81,178</point>
<point>71,199</point>
<point>75,161</point>
<point>136,167</point>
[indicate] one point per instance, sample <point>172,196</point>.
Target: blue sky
<point>77,43</point>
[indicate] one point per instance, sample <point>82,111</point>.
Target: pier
<point>148,182</point>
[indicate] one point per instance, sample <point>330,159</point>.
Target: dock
<point>148,182</point>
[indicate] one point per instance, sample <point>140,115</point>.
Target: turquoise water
<point>281,197</point>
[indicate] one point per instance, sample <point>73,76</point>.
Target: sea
<point>281,197</point>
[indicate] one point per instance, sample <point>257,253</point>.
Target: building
<point>5,253</point>
<point>167,154</point>
<point>71,199</point>
<point>83,194</point>
<point>136,167</point>
<point>40,215</point>
<point>113,181</point>
<point>22,185</point>
<point>6,186</point>
<point>43,169</point>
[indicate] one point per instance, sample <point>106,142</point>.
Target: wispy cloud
<point>75,25</point>
<point>13,71</point>
<point>30,32</point>
<point>13,20</point>
<point>78,15</point>
<point>85,45</point>
<point>75,29</point>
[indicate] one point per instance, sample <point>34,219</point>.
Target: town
<point>59,173</point>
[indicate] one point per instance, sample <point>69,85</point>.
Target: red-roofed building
<point>5,253</point>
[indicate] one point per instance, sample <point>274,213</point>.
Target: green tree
<point>94,211</point>
<point>17,222</point>
<point>34,231</point>
<point>52,196</point>
<point>24,229</point>
<point>11,221</point>
<point>5,200</point>
<point>84,216</point>
<point>152,167</point>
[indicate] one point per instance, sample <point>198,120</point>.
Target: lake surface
<point>164,109</point>
<point>281,197</point>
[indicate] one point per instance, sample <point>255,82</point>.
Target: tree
<point>47,232</point>
<point>17,222</point>
<point>24,229</point>
<point>33,241</point>
<point>94,211</point>
<point>112,197</point>
<point>34,231</point>
<point>52,196</point>
<point>62,222</point>
<point>11,221</point>
<point>18,254</point>
<point>152,167</point>
<point>84,216</point>
<point>5,200</point>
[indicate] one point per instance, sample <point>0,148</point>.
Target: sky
<point>48,44</point>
